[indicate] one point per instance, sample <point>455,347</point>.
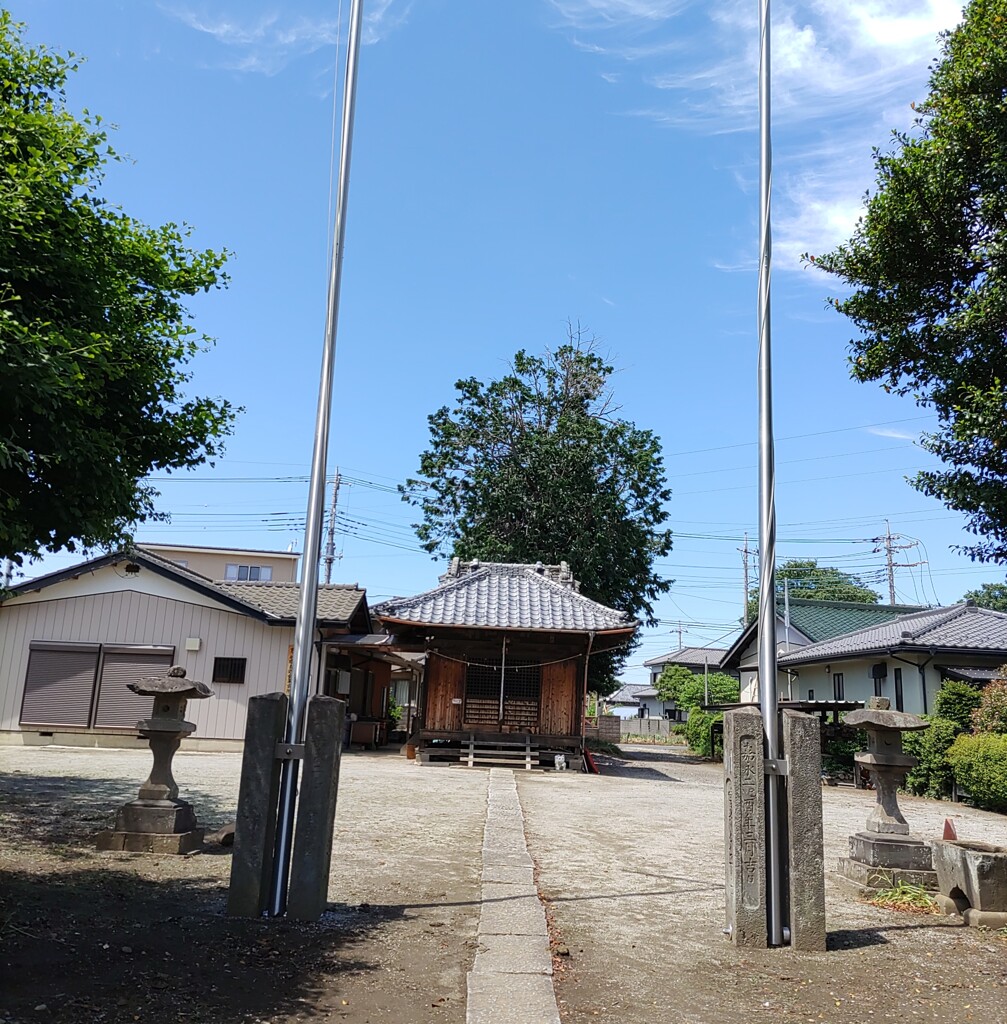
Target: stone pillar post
<point>255,826</point>
<point>745,827</point>
<point>802,748</point>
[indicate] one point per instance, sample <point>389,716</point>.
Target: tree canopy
<point>688,689</point>
<point>928,276</point>
<point>536,466</point>
<point>989,595</point>
<point>806,578</point>
<point>94,335</point>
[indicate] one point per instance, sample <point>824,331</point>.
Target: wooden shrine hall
<point>507,649</point>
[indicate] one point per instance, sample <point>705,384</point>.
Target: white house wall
<point>99,613</point>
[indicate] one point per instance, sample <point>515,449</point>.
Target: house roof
<point>337,603</point>
<point>822,620</point>
<point>970,673</point>
<point>959,628</point>
<point>627,693</point>
<point>498,595</point>
<point>690,656</point>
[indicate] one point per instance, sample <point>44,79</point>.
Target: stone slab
<point>883,851</point>
<point>870,877</point>
<point>992,919</point>
<point>507,858</point>
<point>522,915</point>
<point>802,747</point>
<point>509,874</point>
<point>513,954</point>
<point>175,843</point>
<point>511,999</point>
<point>745,828</point>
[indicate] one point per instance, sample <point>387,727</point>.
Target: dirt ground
<point>89,937</point>
<point>629,862</point>
<point>631,865</point>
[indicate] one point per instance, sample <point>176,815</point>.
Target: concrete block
<point>160,816</point>
<point>258,793</point>
<point>174,844</point>
<point>745,827</point>
<point>806,851</point>
<point>510,874</point>
<point>513,954</point>
<point>511,999</point>
<point>316,809</point>
<point>868,877</point>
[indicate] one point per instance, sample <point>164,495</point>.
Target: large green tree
<point>536,466</point>
<point>989,595</point>
<point>804,577</point>
<point>928,273</point>
<point>94,334</point>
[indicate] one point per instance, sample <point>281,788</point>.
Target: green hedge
<point>697,731</point>
<point>933,775</point>
<point>979,764</point>
<point>957,701</point>
<point>991,714</point>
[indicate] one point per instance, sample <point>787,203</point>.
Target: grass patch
<point>902,896</point>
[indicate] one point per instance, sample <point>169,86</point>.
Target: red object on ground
<point>589,761</point>
<point>950,832</point>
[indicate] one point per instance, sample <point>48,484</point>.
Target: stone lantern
<point>886,853</point>
<point>157,821</point>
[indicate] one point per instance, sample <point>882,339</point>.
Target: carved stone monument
<point>157,821</point>
<point>885,853</point>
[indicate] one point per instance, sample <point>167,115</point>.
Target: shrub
<point>932,776</point>
<point>957,701</point>
<point>837,758</point>
<point>980,767</point>
<point>991,715</point>
<point>697,731</point>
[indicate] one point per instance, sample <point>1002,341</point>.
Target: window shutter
<point>59,684</point>
<point>119,708</point>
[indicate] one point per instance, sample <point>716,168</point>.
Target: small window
<point>838,689</point>
<point>877,687</point>
<point>811,694</point>
<point>229,670</point>
<point>248,573</point>
<point>898,690</point>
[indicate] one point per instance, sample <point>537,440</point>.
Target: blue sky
<point>517,166</point>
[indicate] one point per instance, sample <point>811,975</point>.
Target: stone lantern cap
<point>876,718</point>
<point>172,683</point>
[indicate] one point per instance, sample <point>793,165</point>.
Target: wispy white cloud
<point>899,435</point>
<point>843,76</point>
<point>268,42</point>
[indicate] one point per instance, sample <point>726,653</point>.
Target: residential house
<point>695,659</point>
<point>235,564</point>
<point>808,622</point>
<point>905,659</point>
<point>623,703</point>
<point>507,650</point>
<point>72,640</point>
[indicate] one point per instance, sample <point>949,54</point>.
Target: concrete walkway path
<point>511,979</point>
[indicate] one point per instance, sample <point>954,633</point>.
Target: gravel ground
<point>631,864</point>
<point>129,937</point>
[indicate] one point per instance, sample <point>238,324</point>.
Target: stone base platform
<point>151,842</point>
<point>881,860</point>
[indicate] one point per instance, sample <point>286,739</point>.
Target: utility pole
<point>8,572</point>
<point>744,556</point>
<point>679,634</point>
<point>330,540</point>
<point>888,545</point>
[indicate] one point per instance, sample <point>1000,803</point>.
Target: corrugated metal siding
<point>132,617</point>
<point>118,707</point>
<point>59,684</point>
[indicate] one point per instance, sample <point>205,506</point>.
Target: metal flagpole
<point>767,499</point>
<point>307,609</point>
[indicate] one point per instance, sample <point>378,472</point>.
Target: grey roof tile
<point>337,602</point>
<point>505,596</point>
<point>689,656</point>
<point>958,627</point>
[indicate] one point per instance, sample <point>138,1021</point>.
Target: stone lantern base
<point>153,826</point>
<point>878,861</point>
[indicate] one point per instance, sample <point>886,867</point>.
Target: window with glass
<point>248,573</point>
